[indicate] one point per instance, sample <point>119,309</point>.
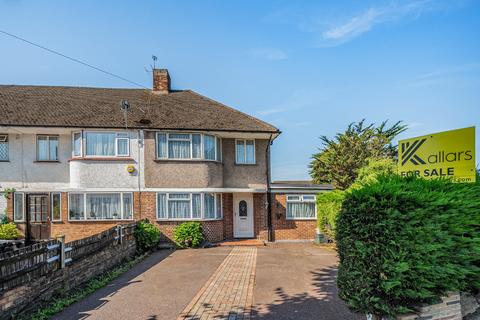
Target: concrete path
<point>278,281</point>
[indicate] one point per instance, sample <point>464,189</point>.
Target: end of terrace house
<point>82,160</point>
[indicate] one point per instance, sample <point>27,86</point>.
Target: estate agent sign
<point>448,154</point>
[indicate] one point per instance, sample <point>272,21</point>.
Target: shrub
<point>188,234</point>
<point>405,241</point>
<point>9,231</point>
<point>147,235</point>
<point>328,207</point>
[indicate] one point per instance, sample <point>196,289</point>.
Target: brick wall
<point>260,222</point>
<point>25,289</point>
<point>284,229</point>
<point>448,309</point>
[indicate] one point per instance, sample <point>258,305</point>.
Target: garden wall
<point>31,275</point>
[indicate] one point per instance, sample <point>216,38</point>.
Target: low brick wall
<point>28,276</point>
<point>448,309</point>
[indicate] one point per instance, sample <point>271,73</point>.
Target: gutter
<point>269,193</point>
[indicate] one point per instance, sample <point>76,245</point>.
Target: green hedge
<point>405,241</point>
<point>188,234</point>
<point>328,207</point>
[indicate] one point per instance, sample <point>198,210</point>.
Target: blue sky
<point>308,67</point>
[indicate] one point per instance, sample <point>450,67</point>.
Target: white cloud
<point>268,53</point>
<point>355,27</point>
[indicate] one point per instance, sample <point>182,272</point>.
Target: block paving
<point>228,294</point>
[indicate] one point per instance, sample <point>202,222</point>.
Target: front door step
<point>242,242</point>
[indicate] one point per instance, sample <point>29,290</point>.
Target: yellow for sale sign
<point>449,154</point>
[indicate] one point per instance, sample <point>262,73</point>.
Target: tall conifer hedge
<point>405,241</point>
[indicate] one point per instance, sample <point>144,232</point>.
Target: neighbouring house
<point>82,160</point>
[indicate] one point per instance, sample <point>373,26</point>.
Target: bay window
<point>301,207</point>
<point>189,206</point>
<point>100,206</point>
<point>100,144</point>
<point>244,151</point>
<point>188,146</point>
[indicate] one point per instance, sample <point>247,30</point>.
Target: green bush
<point>329,204</point>
<point>328,207</point>
<point>9,231</point>
<point>406,241</point>
<point>188,234</point>
<point>147,235</point>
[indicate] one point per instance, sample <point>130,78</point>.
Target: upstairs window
<point>3,147</point>
<point>47,148</point>
<point>188,146</point>
<point>100,144</point>
<point>245,151</point>
<point>301,207</point>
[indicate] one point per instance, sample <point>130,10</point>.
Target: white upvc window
<point>244,151</point>
<point>188,146</point>
<point>47,148</point>
<point>3,147</point>
<point>301,207</point>
<point>189,206</point>
<point>19,207</point>
<point>56,206</point>
<point>100,144</point>
<point>100,206</point>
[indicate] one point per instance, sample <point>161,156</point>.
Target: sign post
<point>448,154</point>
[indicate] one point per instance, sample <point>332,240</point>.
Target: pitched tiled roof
<point>49,106</point>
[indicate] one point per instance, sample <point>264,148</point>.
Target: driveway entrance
<point>278,281</point>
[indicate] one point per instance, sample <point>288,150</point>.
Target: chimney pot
<point>161,81</point>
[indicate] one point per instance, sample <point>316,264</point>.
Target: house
<point>82,160</point>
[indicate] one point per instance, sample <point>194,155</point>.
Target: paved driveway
<point>279,281</point>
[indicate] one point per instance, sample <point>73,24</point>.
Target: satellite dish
<point>124,105</point>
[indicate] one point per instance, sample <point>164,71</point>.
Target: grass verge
<point>62,301</point>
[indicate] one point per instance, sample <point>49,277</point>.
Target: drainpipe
<point>140,150</point>
<point>269,194</point>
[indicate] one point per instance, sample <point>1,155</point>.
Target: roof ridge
<point>233,109</point>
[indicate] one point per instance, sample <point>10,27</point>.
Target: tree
<point>340,158</point>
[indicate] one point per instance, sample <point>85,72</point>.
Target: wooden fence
<point>25,264</point>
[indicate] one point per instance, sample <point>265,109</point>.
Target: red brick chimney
<point>161,81</point>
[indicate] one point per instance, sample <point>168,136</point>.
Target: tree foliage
<point>329,204</point>
<point>340,158</point>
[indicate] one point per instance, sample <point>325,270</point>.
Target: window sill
<point>188,161</point>
<point>46,161</point>
<point>4,160</point>
<point>184,220</point>
<point>245,164</point>
<point>101,159</point>
<point>99,220</point>
<point>301,219</point>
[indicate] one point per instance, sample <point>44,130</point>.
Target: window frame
<point>245,154</point>
<point>48,136</point>
<point>190,199</point>
<point>51,206</point>
<point>83,142</point>
<point>7,142</point>
<point>23,206</point>
<point>217,143</point>
<point>300,200</point>
<point>84,195</point>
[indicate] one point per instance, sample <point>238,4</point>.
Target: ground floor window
<point>56,206</point>
<point>100,206</point>
<point>18,207</point>
<point>189,206</point>
<point>301,207</point>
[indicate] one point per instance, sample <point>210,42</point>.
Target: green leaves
<point>407,241</point>
<point>188,234</point>
<point>147,235</point>
<point>339,159</point>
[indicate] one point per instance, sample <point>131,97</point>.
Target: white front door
<point>243,215</point>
